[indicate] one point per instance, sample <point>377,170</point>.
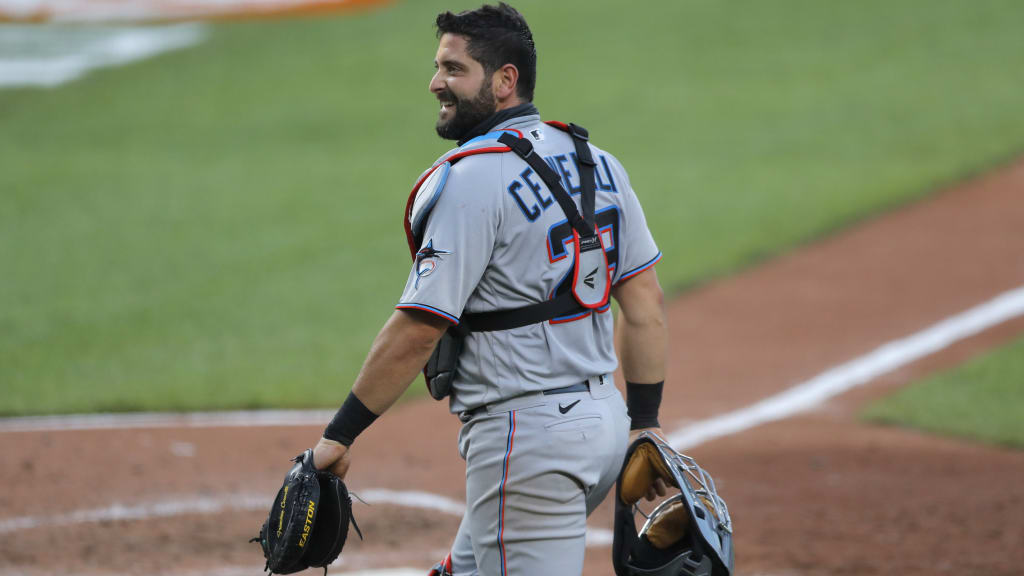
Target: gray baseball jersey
<point>496,239</point>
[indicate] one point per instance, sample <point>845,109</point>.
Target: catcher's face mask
<point>687,534</point>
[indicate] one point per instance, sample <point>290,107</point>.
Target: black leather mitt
<point>308,522</point>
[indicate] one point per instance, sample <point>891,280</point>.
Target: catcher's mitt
<point>308,522</point>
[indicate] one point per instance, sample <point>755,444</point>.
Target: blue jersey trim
<point>430,309</point>
<point>571,317</point>
<point>640,269</point>
<point>489,136</point>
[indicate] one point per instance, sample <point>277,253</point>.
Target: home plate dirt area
<point>818,492</point>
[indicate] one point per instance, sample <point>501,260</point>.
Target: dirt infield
<point>819,493</point>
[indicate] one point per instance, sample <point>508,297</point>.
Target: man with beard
<point>502,276</point>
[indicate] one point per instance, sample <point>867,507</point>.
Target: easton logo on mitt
<point>308,522</point>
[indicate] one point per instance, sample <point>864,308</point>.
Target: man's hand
<point>658,488</point>
<point>332,456</point>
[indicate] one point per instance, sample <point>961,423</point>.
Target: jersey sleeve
<point>458,239</point>
<point>637,250</point>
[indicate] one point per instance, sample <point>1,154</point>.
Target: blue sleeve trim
<point>640,269</point>
<point>489,136</point>
<point>430,309</point>
<point>571,318</point>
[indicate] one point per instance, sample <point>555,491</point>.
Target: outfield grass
<point>219,227</point>
<point>981,400</point>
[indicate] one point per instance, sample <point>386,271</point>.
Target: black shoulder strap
<point>564,304</point>
<point>580,136</point>
<point>524,150</point>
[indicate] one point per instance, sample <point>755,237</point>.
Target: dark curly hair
<point>496,35</point>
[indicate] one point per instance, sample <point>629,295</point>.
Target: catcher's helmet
<point>688,534</point>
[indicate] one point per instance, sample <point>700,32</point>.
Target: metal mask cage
<point>692,478</point>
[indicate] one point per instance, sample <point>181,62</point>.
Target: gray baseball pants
<point>536,467</point>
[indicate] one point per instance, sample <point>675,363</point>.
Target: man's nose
<point>436,85</point>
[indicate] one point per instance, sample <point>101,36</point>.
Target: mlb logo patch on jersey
<point>537,134</point>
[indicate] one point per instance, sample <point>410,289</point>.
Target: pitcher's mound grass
<point>981,400</point>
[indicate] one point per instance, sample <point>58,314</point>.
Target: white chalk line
<point>857,372</point>
<point>139,420</point>
<point>234,571</point>
<point>248,571</point>
<point>46,56</point>
<point>207,505</point>
<point>801,397</point>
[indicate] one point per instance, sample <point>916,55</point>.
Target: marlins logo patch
<point>427,260</point>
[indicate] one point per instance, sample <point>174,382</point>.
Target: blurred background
<point>200,210</point>
<point>202,215</point>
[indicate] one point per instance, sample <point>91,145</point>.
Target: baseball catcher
<point>519,237</point>
<point>687,534</point>
<point>308,522</point>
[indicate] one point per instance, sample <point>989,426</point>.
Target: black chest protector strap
<point>580,136</point>
<point>563,304</point>
<point>524,149</point>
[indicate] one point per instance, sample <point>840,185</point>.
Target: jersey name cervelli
<point>533,198</point>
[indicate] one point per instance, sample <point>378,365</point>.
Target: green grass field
<point>981,400</point>
<point>219,227</point>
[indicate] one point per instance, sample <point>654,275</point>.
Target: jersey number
<point>560,239</point>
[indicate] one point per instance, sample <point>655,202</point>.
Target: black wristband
<point>352,418</point>
<point>643,401</point>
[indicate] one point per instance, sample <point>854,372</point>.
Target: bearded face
<point>458,115</point>
<point>462,86</point>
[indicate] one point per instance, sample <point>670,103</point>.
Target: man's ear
<point>504,82</point>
